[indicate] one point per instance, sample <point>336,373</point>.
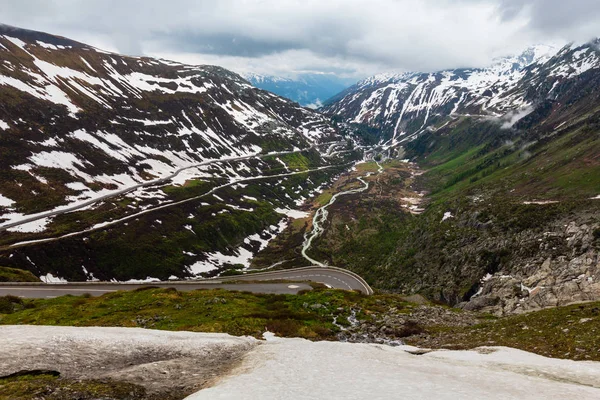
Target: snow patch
<point>49,278</point>
<point>32,227</point>
<point>296,214</point>
<point>447,215</point>
<point>285,369</point>
<point>5,201</point>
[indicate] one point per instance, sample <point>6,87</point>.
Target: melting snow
<point>49,278</point>
<point>241,255</point>
<point>296,214</point>
<point>301,370</point>
<point>447,215</point>
<point>32,227</point>
<point>5,201</point>
<point>147,280</point>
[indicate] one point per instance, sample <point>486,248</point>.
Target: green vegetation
<point>192,188</point>
<point>324,198</point>
<point>48,386</point>
<point>308,315</point>
<point>16,275</point>
<point>10,304</point>
<point>370,166</point>
<point>518,164</point>
<point>563,332</point>
<point>296,161</point>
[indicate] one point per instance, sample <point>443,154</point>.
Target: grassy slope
<point>563,332</point>
<point>145,247</point>
<point>236,313</point>
<point>16,275</point>
<point>47,386</point>
<point>483,175</point>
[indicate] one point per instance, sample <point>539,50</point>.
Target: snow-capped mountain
<point>109,120</point>
<point>308,89</point>
<point>403,105</point>
<point>78,124</point>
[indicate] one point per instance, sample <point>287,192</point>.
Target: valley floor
<point>158,364</point>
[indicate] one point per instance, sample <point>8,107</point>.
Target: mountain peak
<point>31,36</point>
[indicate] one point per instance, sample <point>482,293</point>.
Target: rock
<point>479,303</point>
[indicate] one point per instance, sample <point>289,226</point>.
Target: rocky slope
<point>78,124</point>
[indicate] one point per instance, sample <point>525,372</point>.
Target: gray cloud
<point>348,37</point>
<point>573,20</point>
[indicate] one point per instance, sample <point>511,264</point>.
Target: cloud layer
<point>348,37</point>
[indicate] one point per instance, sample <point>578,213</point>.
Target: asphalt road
<point>258,283</point>
<point>47,291</point>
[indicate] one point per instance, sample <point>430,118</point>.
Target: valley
<point>455,210</point>
<point>461,186</point>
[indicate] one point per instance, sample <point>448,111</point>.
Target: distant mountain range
<point>403,105</point>
<point>308,89</point>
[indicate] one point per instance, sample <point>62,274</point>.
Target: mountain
<point>508,187</point>
<point>308,89</point>
<point>402,105</point>
<point>152,140</point>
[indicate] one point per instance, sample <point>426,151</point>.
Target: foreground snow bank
<point>291,368</point>
<point>158,360</point>
<point>298,369</point>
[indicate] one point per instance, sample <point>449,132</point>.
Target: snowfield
<point>230,367</point>
<point>298,369</point>
<point>158,360</point>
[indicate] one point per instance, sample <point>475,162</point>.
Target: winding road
<point>321,215</point>
<point>154,182</point>
<point>163,206</point>
<point>257,283</point>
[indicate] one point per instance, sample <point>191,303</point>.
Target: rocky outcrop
<point>393,325</point>
<point>548,280</point>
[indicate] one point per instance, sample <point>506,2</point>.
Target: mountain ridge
<point>403,105</point>
<point>78,123</point>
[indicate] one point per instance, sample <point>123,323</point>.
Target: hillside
<point>405,105</point>
<point>151,140</point>
<point>507,187</point>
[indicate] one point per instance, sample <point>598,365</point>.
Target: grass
<point>236,313</point>
<point>16,275</point>
<point>296,161</point>
<point>47,386</point>
<point>324,198</point>
<point>370,166</point>
<point>571,332</point>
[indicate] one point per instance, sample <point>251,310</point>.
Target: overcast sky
<point>352,38</point>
